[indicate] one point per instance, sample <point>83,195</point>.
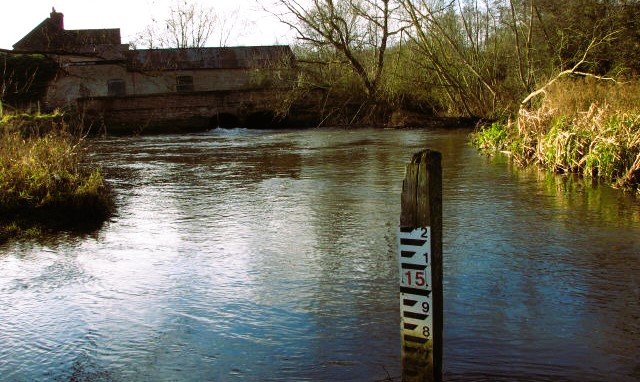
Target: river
<point>245,255</point>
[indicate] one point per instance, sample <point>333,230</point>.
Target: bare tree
<point>489,54</point>
<point>188,25</point>
<point>455,38</point>
<point>358,31</point>
<point>230,26</point>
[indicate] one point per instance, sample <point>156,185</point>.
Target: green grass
<point>44,184</point>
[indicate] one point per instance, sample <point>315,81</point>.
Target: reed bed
<point>44,182</point>
<point>581,127</point>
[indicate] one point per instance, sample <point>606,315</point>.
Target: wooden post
<point>420,264</point>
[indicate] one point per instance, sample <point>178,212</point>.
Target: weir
<point>187,111</point>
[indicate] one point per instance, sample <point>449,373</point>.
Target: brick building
<point>196,86</point>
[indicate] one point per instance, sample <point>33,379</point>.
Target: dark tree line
<point>459,57</point>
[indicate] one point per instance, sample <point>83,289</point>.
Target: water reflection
<point>538,254</point>
<point>266,255</point>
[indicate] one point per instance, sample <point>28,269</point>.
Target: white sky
<point>19,17</point>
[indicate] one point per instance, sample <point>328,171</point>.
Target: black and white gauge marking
<point>414,254</point>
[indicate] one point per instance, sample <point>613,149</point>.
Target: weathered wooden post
<point>420,258</point>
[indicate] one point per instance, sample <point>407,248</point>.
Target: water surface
<point>270,255</point>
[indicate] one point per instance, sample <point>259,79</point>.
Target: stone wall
<point>195,110</point>
<point>83,78</point>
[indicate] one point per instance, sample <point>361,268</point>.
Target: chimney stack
<point>57,18</point>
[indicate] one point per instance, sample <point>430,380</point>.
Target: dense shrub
<point>44,181</point>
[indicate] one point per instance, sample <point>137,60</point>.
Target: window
<point>116,88</point>
<point>184,84</point>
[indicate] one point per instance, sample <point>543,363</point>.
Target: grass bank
<point>45,184</point>
<point>582,126</point>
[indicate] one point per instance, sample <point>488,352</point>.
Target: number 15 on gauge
<point>414,248</point>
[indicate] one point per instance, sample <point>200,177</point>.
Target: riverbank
<point>582,127</point>
<point>45,182</point>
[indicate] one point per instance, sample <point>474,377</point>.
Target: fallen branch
<point>560,75</point>
<point>574,70</point>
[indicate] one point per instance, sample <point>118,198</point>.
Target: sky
<point>19,17</point>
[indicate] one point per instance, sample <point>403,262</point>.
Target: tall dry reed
<point>584,127</point>
<point>43,178</point>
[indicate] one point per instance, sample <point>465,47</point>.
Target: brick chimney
<point>57,19</point>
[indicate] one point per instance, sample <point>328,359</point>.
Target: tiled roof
<point>210,58</point>
<point>50,36</point>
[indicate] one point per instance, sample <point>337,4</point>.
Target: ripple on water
<point>245,255</point>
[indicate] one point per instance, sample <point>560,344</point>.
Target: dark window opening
<point>184,84</point>
<point>116,88</point>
